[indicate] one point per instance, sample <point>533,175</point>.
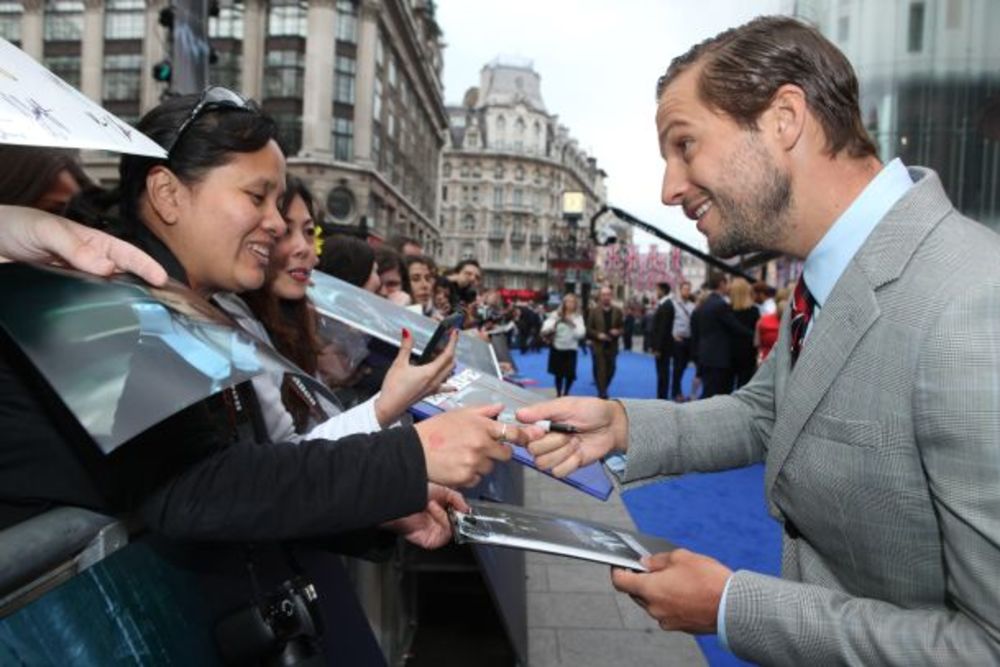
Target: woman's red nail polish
<point>406,332</point>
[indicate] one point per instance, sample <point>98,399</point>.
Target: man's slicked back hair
<point>742,69</point>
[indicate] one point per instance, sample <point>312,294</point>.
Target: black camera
<point>281,629</point>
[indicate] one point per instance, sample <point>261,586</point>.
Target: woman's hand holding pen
<point>601,426</point>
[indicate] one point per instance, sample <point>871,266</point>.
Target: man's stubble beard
<point>757,217</point>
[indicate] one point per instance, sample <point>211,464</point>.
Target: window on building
<point>475,194</point>
<point>288,18</point>
<point>498,196</point>
<point>468,251</point>
<point>377,100</point>
<point>953,14</point>
<point>843,28</point>
<point>468,223</point>
<point>227,70</point>
<point>10,21</point>
<point>915,33</point>
<point>465,194</point>
<point>284,71</point>
<point>122,75</point>
<point>380,51</point>
<point>495,256</point>
<point>446,170</point>
<point>376,145</point>
<point>124,19</point>
<point>517,255</point>
<point>501,138</point>
<point>444,194</point>
<point>347,21</point>
<point>63,21</point>
<point>343,139</point>
<point>229,23</point>
<point>66,68</point>
<point>289,131</point>
<point>498,171</point>
<point>343,83</point>
<point>393,76</point>
<point>519,173</point>
<point>518,199</point>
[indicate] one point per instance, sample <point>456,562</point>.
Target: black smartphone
<point>439,340</point>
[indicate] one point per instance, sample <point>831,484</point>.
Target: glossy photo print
<point>123,356</point>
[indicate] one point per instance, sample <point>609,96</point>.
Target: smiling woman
<point>212,205</point>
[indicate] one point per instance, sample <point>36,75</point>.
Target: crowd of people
<point>873,406</point>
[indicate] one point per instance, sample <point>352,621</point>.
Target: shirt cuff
<point>720,619</point>
<point>359,419</point>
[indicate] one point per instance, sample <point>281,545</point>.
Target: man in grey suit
<point>878,418</point>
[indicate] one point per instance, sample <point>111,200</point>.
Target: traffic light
<point>163,71</point>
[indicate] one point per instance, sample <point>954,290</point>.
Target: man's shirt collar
<point>828,260</point>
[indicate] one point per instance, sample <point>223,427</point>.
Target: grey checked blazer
<point>882,450</point>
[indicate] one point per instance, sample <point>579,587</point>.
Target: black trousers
<point>663,374</point>
<point>605,358</point>
<point>716,381</point>
<point>681,357</point>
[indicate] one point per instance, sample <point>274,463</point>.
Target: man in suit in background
<point>604,328</point>
<point>875,413</point>
<point>663,338</point>
<point>714,330</point>
<point>683,308</point>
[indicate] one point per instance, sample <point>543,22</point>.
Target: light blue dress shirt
<point>828,260</point>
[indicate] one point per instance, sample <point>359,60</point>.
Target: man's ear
<point>164,191</point>
<point>788,110</point>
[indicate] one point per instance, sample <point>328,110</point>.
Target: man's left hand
<point>682,590</point>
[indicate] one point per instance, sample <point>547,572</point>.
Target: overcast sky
<point>599,61</point>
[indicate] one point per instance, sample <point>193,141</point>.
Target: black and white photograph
<point>520,528</point>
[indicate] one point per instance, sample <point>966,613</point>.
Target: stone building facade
<point>505,168</point>
<point>355,86</point>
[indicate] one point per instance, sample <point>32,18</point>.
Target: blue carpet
<point>722,515</point>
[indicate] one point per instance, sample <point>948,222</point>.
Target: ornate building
<point>354,86</point>
<point>505,168</point>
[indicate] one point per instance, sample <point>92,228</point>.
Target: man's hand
<point>603,336</point>
<point>682,591</point>
<point>460,446</point>
<point>602,427</point>
<point>30,235</point>
<point>430,529</point>
<point>615,333</point>
<point>405,383</point>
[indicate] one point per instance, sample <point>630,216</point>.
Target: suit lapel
<point>848,314</point>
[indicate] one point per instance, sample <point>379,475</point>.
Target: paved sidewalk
<point>575,617</point>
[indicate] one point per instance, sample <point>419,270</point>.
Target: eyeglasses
<point>213,98</point>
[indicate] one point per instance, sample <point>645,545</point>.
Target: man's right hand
<point>602,427</point>
<point>460,446</point>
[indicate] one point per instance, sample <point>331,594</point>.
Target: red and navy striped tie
<point>802,310</point>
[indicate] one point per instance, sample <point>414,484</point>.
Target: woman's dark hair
<point>420,259</point>
<point>30,172</point>
<point>743,68</point>
<point>290,324</point>
<point>210,141</point>
<point>348,258</point>
<point>387,260</point>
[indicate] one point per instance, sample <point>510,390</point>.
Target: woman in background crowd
<point>285,315</point>
<point>445,298</point>
<point>768,327</point>
<point>42,178</point>
<point>567,329</point>
<point>392,274</point>
<point>421,272</point>
<point>745,310</point>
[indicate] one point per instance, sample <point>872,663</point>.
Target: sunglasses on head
<point>213,98</point>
